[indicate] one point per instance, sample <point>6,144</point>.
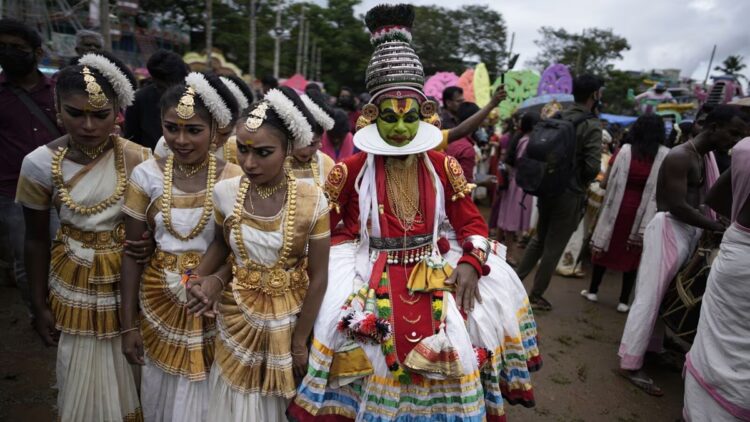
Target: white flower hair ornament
<point>236,92</point>
<point>210,97</point>
<point>124,90</point>
<point>318,113</point>
<point>292,117</point>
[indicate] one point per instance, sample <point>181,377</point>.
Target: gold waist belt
<point>177,263</point>
<point>271,281</point>
<point>95,240</point>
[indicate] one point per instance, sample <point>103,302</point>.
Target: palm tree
<point>732,66</point>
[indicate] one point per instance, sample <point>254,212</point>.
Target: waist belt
<point>403,250</point>
<point>178,263</point>
<point>271,281</point>
<point>95,240</point>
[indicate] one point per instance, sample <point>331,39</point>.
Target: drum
<point>681,307</point>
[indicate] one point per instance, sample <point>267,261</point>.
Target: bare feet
<point>641,380</point>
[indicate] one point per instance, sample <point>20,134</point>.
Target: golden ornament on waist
<point>273,282</point>
<point>180,263</point>
<point>95,240</point>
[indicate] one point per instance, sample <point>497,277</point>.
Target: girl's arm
<point>130,281</point>
<point>37,257</point>
<point>205,289</point>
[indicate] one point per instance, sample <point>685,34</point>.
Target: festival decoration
<point>556,79</point>
<point>438,82</point>
<point>519,85</point>
<point>466,82</point>
<point>482,91</point>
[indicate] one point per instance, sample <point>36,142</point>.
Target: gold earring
<point>212,149</point>
<point>59,119</point>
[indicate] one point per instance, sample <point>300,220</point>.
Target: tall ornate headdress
<point>394,72</point>
<point>121,85</point>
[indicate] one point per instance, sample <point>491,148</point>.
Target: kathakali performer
<point>423,318</point>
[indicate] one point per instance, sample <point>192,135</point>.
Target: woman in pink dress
<point>514,214</point>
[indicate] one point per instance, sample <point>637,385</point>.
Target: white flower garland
<point>236,91</point>
<point>210,97</point>
<point>293,118</point>
<point>120,83</point>
<point>318,113</point>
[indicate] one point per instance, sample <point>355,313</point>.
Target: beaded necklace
<point>208,202</point>
<point>59,181</point>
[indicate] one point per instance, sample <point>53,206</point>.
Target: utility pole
<point>320,64</point>
<point>306,52</point>
<point>710,63</point>
<point>300,39</point>
<point>278,31</point>
<point>313,61</point>
<point>104,24</point>
<point>251,53</point>
<point>209,32</point>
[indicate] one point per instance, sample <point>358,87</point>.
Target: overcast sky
<point>662,33</point>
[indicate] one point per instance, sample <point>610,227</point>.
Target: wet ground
<point>579,341</point>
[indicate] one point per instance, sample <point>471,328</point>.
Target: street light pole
<point>278,30</point>
<point>251,53</point>
<point>209,32</point>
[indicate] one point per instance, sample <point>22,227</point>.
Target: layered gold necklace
<point>288,229</point>
<point>402,187</point>
<point>90,151</point>
<point>59,181</point>
<point>208,202</point>
<point>266,192</point>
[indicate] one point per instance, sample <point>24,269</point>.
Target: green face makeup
<point>398,121</point>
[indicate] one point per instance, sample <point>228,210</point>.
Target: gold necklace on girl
<point>208,202</point>
<point>59,181</point>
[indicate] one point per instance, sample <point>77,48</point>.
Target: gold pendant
<point>413,338</point>
<point>408,301</point>
<point>412,321</point>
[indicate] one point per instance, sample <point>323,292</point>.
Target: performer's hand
<point>204,292</point>
<point>466,279</point>
<point>44,324</point>
<point>132,347</point>
<point>142,249</point>
<point>299,360</point>
<point>499,95</point>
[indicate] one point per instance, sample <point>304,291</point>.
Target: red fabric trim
<point>515,397</point>
<point>534,364</point>
<point>473,261</point>
<point>297,414</point>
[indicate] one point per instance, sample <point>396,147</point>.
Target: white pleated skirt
<point>229,405</point>
<point>94,381</point>
<point>166,397</point>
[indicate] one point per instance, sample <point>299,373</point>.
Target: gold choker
<point>266,192</point>
<point>90,151</point>
<point>190,170</point>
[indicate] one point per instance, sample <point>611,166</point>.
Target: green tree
<point>615,96</point>
<point>591,51</point>
<point>732,66</point>
<point>436,40</point>
<point>482,35</point>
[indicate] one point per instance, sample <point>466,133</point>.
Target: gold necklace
<point>266,192</point>
<point>59,181</point>
<point>208,202</point>
<point>315,171</point>
<point>402,187</point>
<point>190,170</point>
<point>288,230</point>
<point>90,151</point>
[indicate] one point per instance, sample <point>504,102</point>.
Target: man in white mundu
<point>672,236</point>
<point>717,368</point>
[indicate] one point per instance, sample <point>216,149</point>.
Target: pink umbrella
<point>297,82</point>
<point>437,83</point>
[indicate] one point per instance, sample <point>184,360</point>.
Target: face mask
<point>17,63</point>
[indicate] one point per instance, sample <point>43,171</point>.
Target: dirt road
<point>579,342</point>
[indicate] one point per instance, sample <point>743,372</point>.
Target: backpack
<point>548,164</point>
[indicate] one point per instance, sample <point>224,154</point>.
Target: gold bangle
<point>218,278</point>
<point>129,330</point>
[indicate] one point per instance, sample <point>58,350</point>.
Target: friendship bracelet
<point>218,278</point>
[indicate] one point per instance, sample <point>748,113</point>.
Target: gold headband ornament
<point>186,106</point>
<point>97,99</point>
<point>256,117</point>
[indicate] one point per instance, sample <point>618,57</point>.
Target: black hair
<point>269,81</point>
<point>16,28</point>
<point>242,85</point>
<point>346,88</point>
<point>450,92</point>
<point>70,79</point>
<point>723,114</point>
<point>529,120</point>
<point>167,66</point>
<point>171,98</point>
<point>686,128</point>
<point>312,87</point>
<point>300,105</point>
<point>585,85</point>
<point>173,94</point>
<point>341,126</point>
<point>272,119</point>
<point>647,134</point>
<point>466,110</point>
<point>318,98</point>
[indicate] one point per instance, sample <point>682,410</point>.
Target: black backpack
<point>549,163</point>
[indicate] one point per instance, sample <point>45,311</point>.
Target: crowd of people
<point>198,249</point>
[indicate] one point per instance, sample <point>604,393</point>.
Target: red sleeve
<point>342,196</point>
